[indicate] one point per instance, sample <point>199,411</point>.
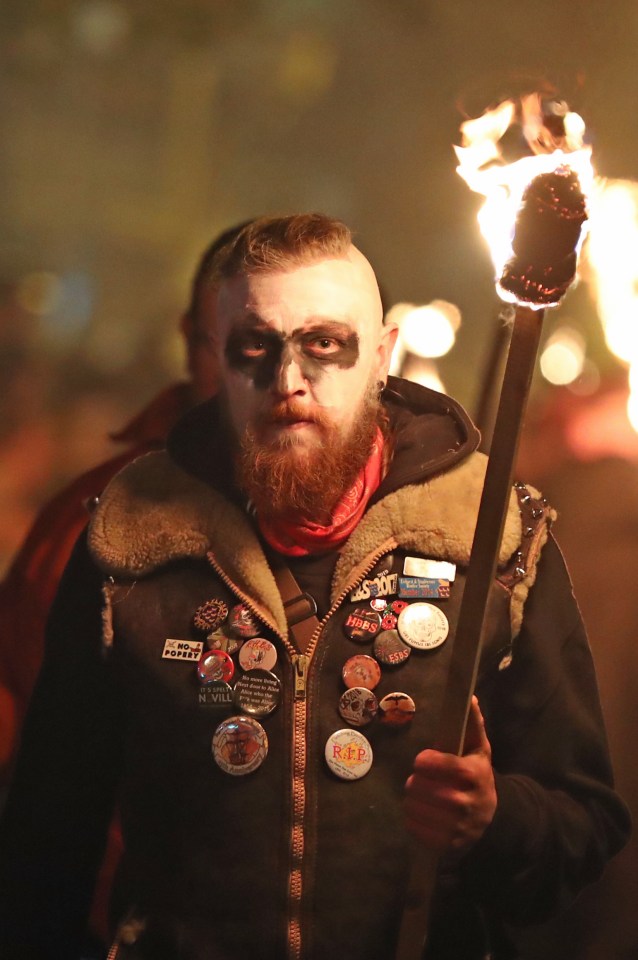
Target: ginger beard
<point>288,481</point>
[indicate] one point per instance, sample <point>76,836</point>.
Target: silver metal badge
<point>429,569</point>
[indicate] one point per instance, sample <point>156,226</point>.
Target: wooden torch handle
<point>482,567</point>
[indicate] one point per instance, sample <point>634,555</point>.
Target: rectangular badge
<point>385,585</point>
<point>182,649</point>
<point>429,569</point>
<point>425,588</point>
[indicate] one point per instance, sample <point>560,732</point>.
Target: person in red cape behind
<point>28,589</point>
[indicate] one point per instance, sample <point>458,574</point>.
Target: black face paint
<point>262,354</point>
<point>331,344</point>
<point>255,353</point>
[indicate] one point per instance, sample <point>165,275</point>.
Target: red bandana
<point>298,540</point>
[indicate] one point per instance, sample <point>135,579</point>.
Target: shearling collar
<point>153,512</point>
<point>182,503</point>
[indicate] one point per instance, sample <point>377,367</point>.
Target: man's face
<point>300,348</point>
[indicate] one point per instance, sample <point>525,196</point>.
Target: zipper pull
<point>300,664</point>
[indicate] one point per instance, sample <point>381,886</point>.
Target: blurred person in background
<point>583,453</point>
<point>31,582</point>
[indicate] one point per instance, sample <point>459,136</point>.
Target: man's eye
<point>323,346</point>
<point>253,348</point>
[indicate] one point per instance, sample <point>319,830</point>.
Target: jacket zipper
<point>301,667</point>
<point>245,599</point>
<point>114,950</point>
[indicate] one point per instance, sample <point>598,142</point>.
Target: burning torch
<point>533,219</point>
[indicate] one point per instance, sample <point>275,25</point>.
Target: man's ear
<point>388,338</point>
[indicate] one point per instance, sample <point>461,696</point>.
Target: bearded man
<point>249,651</point>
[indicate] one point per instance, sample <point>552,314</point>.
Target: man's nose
<point>289,378</point>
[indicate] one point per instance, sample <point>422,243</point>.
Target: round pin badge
<point>358,706</point>
<point>399,605</point>
<point>239,745</point>
<point>210,615</point>
<point>378,604</point>
<point>362,624</point>
<point>242,622</point>
<point>215,665</point>
<point>257,693</point>
<point>218,640</point>
<point>396,709</point>
<point>257,653</point>
<point>217,694</point>
<point>423,626</point>
<point>389,649</point>
<point>348,754</point>
<point>389,621</point>
<point>361,671</point>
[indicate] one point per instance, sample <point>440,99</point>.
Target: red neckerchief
<point>298,540</point>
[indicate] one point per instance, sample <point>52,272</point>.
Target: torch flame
<point>484,169</point>
<point>611,256</point>
<point>611,262</point>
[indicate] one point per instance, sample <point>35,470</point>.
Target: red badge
<point>215,665</point>
<point>399,605</point>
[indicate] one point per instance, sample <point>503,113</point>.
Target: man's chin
<point>301,468</point>
<point>285,478</point>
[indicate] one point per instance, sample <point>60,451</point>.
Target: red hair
<point>279,243</point>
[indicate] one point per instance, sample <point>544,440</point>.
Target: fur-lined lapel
<point>436,518</point>
<point>153,512</point>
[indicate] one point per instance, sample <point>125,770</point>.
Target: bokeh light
<point>427,331</point>
<point>38,293</point>
<point>307,67</point>
<point>101,27</point>
<point>563,356</point>
<point>424,372</point>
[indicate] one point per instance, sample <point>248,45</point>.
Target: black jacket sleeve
<point>57,813</point>
<point>558,819</point>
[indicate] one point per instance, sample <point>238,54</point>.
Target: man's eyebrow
<point>317,323</point>
<point>327,325</point>
<point>253,321</point>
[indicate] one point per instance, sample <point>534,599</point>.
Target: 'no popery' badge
<point>182,649</point>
